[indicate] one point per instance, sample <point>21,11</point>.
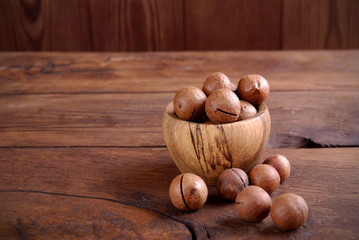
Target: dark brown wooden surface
<point>67,192</point>
<point>161,25</point>
<point>46,215</point>
<point>135,119</point>
<point>320,24</point>
<point>82,154</point>
<point>168,72</point>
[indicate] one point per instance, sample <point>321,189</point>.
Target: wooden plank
<point>232,25</point>
<point>168,72</point>
<point>299,119</point>
<point>82,119</point>
<point>139,25</point>
<point>320,24</point>
<point>29,215</point>
<point>44,25</point>
<point>177,25</point>
<point>314,119</point>
<point>136,25</point>
<point>326,178</point>
<point>65,25</point>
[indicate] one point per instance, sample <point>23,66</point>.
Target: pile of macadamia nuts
<point>289,211</point>
<point>220,101</point>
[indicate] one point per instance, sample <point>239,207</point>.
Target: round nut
<point>253,204</point>
<point>265,176</point>
<point>281,164</point>
<point>215,81</point>
<point>289,211</point>
<point>231,182</point>
<point>223,106</point>
<point>189,103</point>
<point>253,88</point>
<point>247,110</point>
<point>188,192</point>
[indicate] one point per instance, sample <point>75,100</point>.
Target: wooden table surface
<point>82,154</point>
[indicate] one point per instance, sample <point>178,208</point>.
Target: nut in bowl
<point>207,149</point>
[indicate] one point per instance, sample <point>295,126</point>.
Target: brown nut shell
<point>223,106</point>
<point>188,192</point>
<point>253,204</point>
<point>231,182</point>
<point>289,211</point>
<point>265,176</point>
<point>247,110</point>
<point>189,103</point>
<point>253,88</point>
<point>215,81</point>
<point>281,164</point>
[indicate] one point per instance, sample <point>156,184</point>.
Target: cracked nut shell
<point>281,164</point>
<point>253,88</point>
<point>265,176</point>
<point>223,106</point>
<point>188,192</point>
<point>215,81</point>
<point>289,211</point>
<point>253,204</point>
<point>231,182</point>
<point>189,103</point>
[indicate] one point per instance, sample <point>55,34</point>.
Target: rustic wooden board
<point>82,153</point>
<point>229,25</point>
<point>36,183</point>
<point>299,119</point>
<point>320,24</point>
<point>314,119</point>
<point>168,72</point>
<point>141,25</point>
<point>29,215</point>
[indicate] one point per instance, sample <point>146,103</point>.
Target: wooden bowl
<point>207,149</point>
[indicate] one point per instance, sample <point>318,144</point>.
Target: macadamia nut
<point>253,88</point>
<point>215,81</point>
<point>281,164</point>
<point>223,106</point>
<point>189,103</point>
<point>188,192</point>
<point>253,204</point>
<point>231,182</point>
<point>247,110</point>
<point>265,176</point>
<point>289,211</point>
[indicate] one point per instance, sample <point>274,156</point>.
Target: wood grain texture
<point>40,215</point>
<point>82,154</point>
<point>134,177</point>
<point>315,119</point>
<point>169,72</point>
<point>233,24</point>
<point>320,24</point>
<point>43,25</point>
<point>299,119</point>
<point>66,25</point>
<point>161,25</point>
<point>207,149</point>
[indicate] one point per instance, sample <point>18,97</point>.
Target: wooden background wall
<point>167,25</point>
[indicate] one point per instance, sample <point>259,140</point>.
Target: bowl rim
<point>262,108</point>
